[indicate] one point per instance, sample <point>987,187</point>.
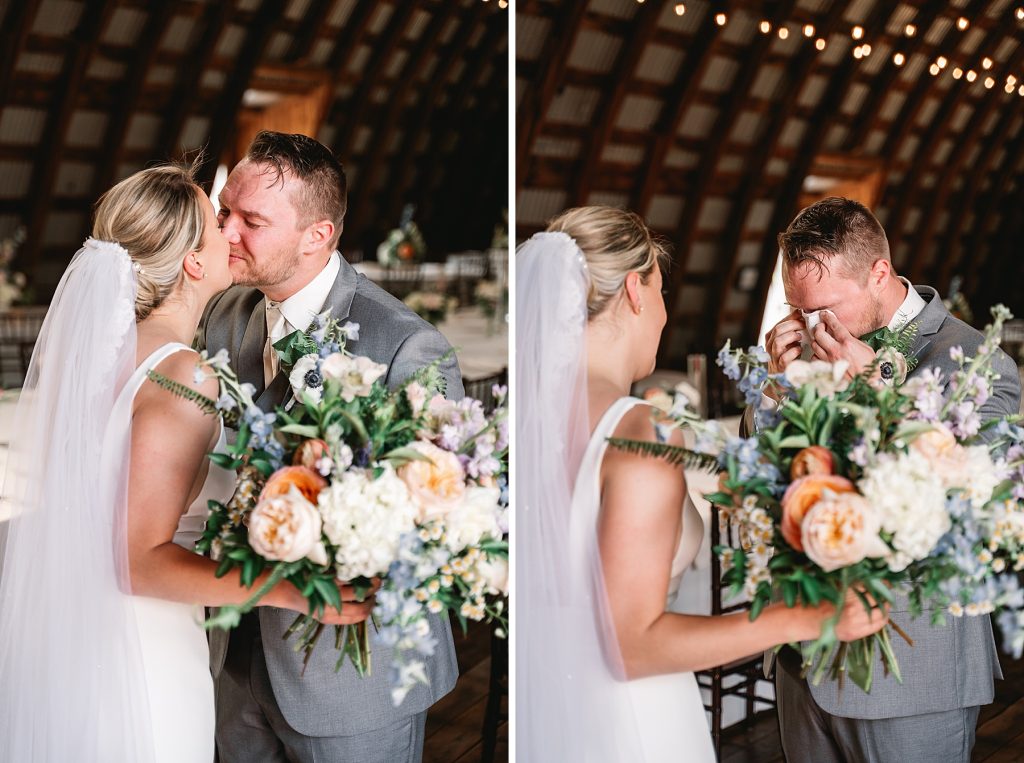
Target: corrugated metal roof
<point>659,63</point>
<point>719,75</point>
<point>125,26</point>
<point>17,175</point>
<point>665,211</point>
<point>179,34</point>
<point>697,121</point>
<point>87,128</point>
<point>57,18</point>
<point>574,105</point>
<point>638,112</point>
<point>536,206</point>
<point>620,9</point>
<point>594,51</point>
<point>620,154</point>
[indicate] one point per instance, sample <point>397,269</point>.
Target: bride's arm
<point>170,439</point>
<point>638,532</point>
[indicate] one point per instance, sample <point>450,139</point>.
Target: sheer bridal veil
<point>571,701</point>
<point>72,685</point>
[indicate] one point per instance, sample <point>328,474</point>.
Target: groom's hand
<point>834,342</point>
<point>783,344</point>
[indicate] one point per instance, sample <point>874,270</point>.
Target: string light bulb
<point>680,9</point>
<point>1021,90</point>
<point>783,33</point>
<point>934,69</point>
<point>1020,13</point>
<point>962,23</point>
<point>503,3</point>
<point>766,27</point>
<point>942,62</point>
<point>1009,88</point>
<point>989,82</point>
<point>958,73</point>
<point>867,49</point>
<point>910,30</point>
<point>820,43</point>
<point>899,59</point>
<point>971,75</point>
<point>857,33</point>
<point>808,30</point>
<point>858,53</point>
<point>721,19</point>
<point>1011,79</point>
<point>986,63</point>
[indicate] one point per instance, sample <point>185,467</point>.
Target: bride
<point>102,656</point>
<point>603,671</point>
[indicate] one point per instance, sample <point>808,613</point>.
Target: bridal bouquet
<point>351,482</point>
<point>871,487</point>
<point>404,245</point>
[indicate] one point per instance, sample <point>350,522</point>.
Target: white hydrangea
<point>911,503</point>
<point>365,518</point>
<point>983,476</point>
<point>474,519</point>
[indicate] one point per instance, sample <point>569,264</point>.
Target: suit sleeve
<point>1005,398</point>
<point>420,349</point>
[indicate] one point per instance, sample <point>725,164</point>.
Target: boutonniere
<point>893,358</point>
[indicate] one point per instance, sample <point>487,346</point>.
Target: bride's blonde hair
<point>157,216</point>
<point>615,243</point>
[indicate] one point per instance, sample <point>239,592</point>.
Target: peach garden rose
<point>436,485</point>
<point>841,529</point>
<point>287,528</point>
<point>813,460</point>
<point>801,495</point>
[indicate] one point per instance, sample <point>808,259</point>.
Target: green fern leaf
<point>674,454</point>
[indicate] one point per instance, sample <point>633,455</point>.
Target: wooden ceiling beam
<point>403,167</point>
<point>223,121</point>
<point>607,112</point>
<point>798,71</point>
<point>911,187</point>
<point>384,129</point>
<point>887,77</point>
<point>308,30</point>
<point>383,46</point>
<point>490,55</point>
<point>54,135</point>
<point>159,16</point>
<point>709,158</point>
<point>213,20</point>
<point>533,109</point>
<point>16,26</point>
<point>964,144</point>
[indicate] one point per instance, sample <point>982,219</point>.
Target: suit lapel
<point>929,321</point>
<point>250,352</point>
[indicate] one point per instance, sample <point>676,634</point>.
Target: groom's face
<point>261,224</point>
<point>849,298</point>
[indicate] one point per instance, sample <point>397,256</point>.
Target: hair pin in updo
<point>137,267</point>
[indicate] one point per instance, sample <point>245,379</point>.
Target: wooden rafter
<point>607,111</point>
<point>397,101</point>
<point>223,122</point>
<point>344,140</point>
<point>931,138</point>
<point>798,70</point>
<point>54,137</point>
<point>403,166</point>
<point>16,26</point>
<point>683,91</point>
<point>966,140</point>
<point>117,126</point>
<point>313,22</point>
<point>558,45</point>
<point>213,20</point>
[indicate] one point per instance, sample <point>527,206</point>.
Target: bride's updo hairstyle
<point>615,243</point>
<point>157,216</point>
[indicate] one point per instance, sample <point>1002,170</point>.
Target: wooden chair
<point>482,389</point>
<point>739,678</point>
<point>497,691</point>
<point>19,328</point>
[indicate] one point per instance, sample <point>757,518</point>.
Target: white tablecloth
<point>480,353</point>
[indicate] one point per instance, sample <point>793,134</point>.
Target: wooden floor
<point>454,724</point>
<point>1000,734</point>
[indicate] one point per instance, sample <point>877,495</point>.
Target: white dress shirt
<point>297,312</point>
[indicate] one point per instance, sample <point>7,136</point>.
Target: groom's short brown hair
<point>835,229</point>
<point>324,194</point>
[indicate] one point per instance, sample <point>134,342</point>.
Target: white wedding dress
<point>670,717</point>
<point>175,654</point>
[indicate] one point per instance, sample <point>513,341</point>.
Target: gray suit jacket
<point>952,666</point>
<point>322,702</point>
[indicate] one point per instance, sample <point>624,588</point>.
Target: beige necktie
<point>275,330</point>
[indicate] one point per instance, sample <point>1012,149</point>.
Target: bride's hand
<point>856,622</point>
<point>354,608</point>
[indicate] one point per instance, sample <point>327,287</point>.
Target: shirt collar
<point>300,308</point>
<point>910,309</point>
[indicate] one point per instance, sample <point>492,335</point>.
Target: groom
<point>836,258</point>
<point>282,211</point>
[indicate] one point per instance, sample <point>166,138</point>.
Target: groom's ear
<point>879,274</point>
<point>319,234</point>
